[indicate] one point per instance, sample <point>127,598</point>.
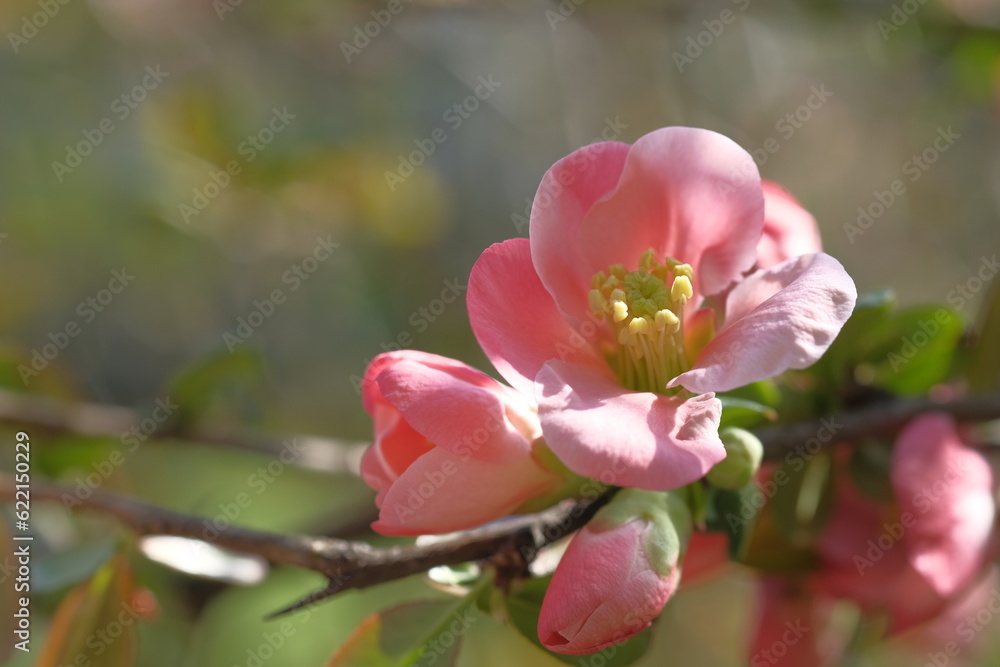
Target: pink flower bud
<point>453,448</point>
<point>617,573</point>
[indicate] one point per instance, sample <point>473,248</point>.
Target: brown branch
<point>347,564</point>
<point>41,414</point>
<point>874,420</point>
<point>511,543</point>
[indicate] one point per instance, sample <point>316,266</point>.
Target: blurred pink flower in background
<point>453,447</point>
<point>789,229</point>
<point>911,560</point>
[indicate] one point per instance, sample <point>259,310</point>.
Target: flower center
<point>645,309</point>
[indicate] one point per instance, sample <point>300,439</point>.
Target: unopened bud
<point>744,453</point>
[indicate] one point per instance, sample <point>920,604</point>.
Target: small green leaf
<point>869,469</point>
<point>915,349</point>
<point>855,336</point>
<point>54,571</point>
<point>224,385</point>
<point>386,638</point>
<point>96,622</point>
<point>744,413</point>
<point>803,503</point>
<point>422,632</point>
<point>983,369</point>
<point>747,516</point>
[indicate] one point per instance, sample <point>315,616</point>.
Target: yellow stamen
<point>646,309</point>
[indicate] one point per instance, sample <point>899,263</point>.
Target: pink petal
<point>395,448</point>
<point>517,322</point>
<point>370,393</point>
<point>636,439</point>
<point>461,410</point>
<point>789,229</point>
<point>792,627</point>
<point>781,318</point>
<point>707,554</point>
<point>947,487</point>
<point>688,193</point>
<point>604,591</point>
<point>443,492</point>
<point>567,192</point>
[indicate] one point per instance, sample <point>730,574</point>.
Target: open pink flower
<point>601,315</point>
<point>453,448</point>
<point>789,229</point>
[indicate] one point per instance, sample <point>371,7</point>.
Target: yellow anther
<point>638,326</point>
<point>620,309</point>
<point>644,309</point>
<point>597,302</point>
<point>648,260</point>
<point>665,319</point>
<point>681,289</point>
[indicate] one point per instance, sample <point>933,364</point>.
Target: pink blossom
<point>791,624</point>
<point>602,316</point>
<point>453,448</point>
<point>910,560</point>
<point>913,560</point>
<point>789,229</point>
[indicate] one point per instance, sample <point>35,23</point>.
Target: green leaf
<point>57,570</point>
<point>855,336</point>
<point>524,605</point>
<point>744,413</point>
<point>869,469</point>
<point>421,632</point>
<point>915,349</point>
<point>95,624</point>
<point>747,516</point>
<point>803,503</point>
<point>983,369</point>
<point>386,638</point>
<point>226,385</point>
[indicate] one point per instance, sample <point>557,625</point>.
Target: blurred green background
<point>309,114</point>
